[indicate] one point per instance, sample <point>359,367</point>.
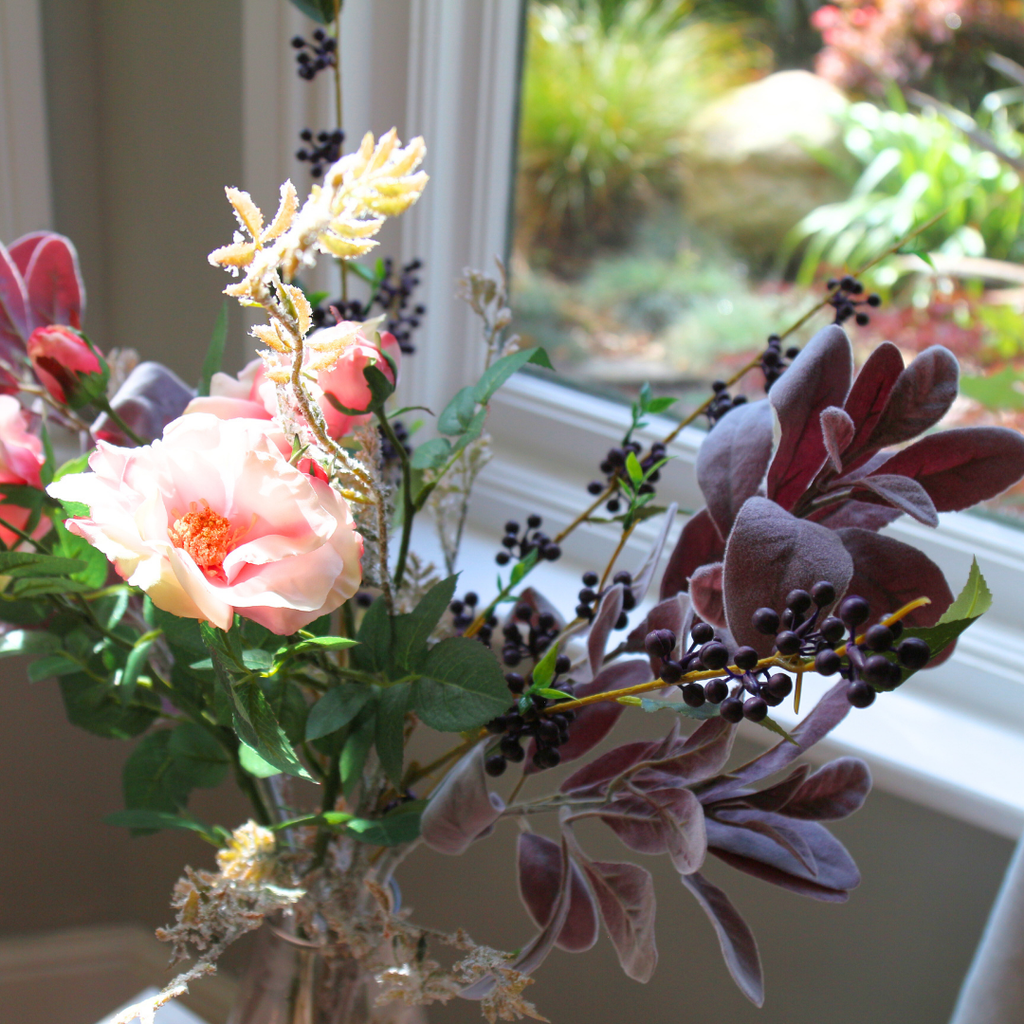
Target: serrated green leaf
<point>148,778</point>
<point>389,733</point>
<point>650,704</point>
<point>472,431</point>
<point>49,466</point>
<point>458,413</point>
<point>321,11</point>
<point>79,464</point>
<point>410,632</point>
<point>94,706</point>
<point>772,726</point>
<point>373,654</point>
<point>432,454</point>
<point>128,677</point>
<point>500,371</point>
<point>357,749</point>
<point>143,822</point>
<point>327,643</point>
<point>381,388</point>
<point>335,709</point>
<point>41,586</point>
<point>256,660</point>
<point>52,665</point>
<point>974,600</point>
<point>18,564</point>
<point>95,566</point>
<point>462,686</point>
<point>199,760</point>
<point>401,826</point>
<point>181,634</point>
<point>254,764</point>
<point>27,641</point>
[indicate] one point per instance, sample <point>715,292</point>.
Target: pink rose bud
<point>68,366</point>
<point>346,385</point>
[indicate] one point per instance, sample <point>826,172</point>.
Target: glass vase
<point>291,981</point>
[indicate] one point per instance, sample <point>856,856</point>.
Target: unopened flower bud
<point>68,366</point>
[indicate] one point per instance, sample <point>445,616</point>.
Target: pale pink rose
<point>213,520</point>
<point>248,396</point>
<point>345,381</point>
<point>21,456</point>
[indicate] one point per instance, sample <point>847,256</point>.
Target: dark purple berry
<point>827,662</point>
<point>745,658</point>
<point>546,757</point>
<point>876,670</point>
<point>714,655</point>
<point>495,765</point>
<point>716,690</point>
<point>859,694</point>
<point>562,664</point>
<point>671,671</point>
<point>755,709</point>
<point>780,685</point>
<point>823,593</point>
<point>693,694</point>
<point>913,653</point>
<point>854,611</point>
<point>787,642</point>
<point>766,620</point>
<point>590,579</point>
<point>732,709</point>
<point>832,629</point>
<point>660,643</point>
<point>515,682</point>
<point>798,601</point>
<point>878,638</point>
<point>702,633</point>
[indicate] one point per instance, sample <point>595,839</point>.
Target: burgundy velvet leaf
<point>754,851</point>
<point>593,778</point>
<point>773,798</point>
<point>595,721</point>
<point>686,762</point>
<point>819,377</point>
<point>532,955</point>
<point>667,614</point>
<point>644,574</point>
<point>868,396</point>
<point>540,882</point>
<point>837,430</point>
<point>533,598</point>
<point>13,308</point>
<point>56,293</point>
<point>660,821</point>
<point>699,543</point>
<point>921,396</point>
<point>888,574</point>
<point>608,612</point>
<point>706,593</point>
<point>732,461</point>
<point>822,719</point>
<point>739,949</point>
<point>834,791</point>
<point>790,840</point>
<point>965,465</point>
<point>858,514</point>
<point>147,401</point>
<point>625,896</point>
<point>770,553</point>
<point>899,492</point>
<point>462,807</point>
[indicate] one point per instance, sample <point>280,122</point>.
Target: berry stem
<point>615,555</point>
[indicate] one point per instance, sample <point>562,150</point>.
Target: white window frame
<point>24,153</point>
<point>952,738</point>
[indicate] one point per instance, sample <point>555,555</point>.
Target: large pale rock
<point>750,174</point>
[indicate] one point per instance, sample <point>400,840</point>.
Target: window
<point>453,76</point>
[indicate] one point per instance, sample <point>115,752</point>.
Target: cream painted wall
<point>145,128</point>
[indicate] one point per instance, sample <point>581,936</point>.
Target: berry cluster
<point>394,295</point>
<point>613,464</point>
<point>463,611</point>
<point>865,663</point>
<point>589,597</point>
<point>524,720</point>
<point>387,449</point>
<point>528,634</point>
<point>845,300</point>
<point>708,652</point>
<point>519,544</point>
<point>321,151</point>
<point>313,57</point>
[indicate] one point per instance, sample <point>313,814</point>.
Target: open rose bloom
<point>213,520</point>
<point>21,455</point>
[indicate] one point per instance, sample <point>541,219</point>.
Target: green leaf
<point>52,665</point>
<point>432,454</point>
<point>27,641</point>
<point>920,254</point>
<point>43,585</point>
<point>143,822</point>
<point>634,469</point>
<point>457,415</point>
<point>95,706</point>
<point>381,389</point>
<point>329,643</point>
<point>256,660</point>
<point>182,634</point>
<point>129,675</point>
<point>522,567</point>
<point>552,694</point>
<point>95,568</point>
<point>215,352</point>
<point>356,750</point>
<point>997,391</point>
<point>974,600</point>
<point>656,405</point>
<point>389,734</point>
<point>411,631</point>
<point>472,432</point>
<point>462,686</point>
<point>335,709</point>
<point>317,10</point>
<point>375,639</point>
<point>650,704</point>
<point>544,671</point>
<point>79,464</point>
<point>401,826</point>
<point>29,563</point>
<point>46,470</point>
<point>199,760</point>
<point>148,776</point>
<point>772,726</point>
<point>254,764</point>
<point>499,372</point>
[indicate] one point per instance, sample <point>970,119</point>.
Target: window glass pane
<point>691,174</point>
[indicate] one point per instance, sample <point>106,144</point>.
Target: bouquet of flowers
<point>226,575</point>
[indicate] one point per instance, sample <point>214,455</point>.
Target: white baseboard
<point>79,976</point>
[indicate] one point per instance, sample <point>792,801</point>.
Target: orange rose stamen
<point>205,535</point>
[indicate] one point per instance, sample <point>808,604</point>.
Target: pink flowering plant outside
<point>224,575</point>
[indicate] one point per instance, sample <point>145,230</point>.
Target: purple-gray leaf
<point>699,543</point>
<point>540,882</point>
<point>834,791</point>
<point>837,430</point>
<point>771,553</point>
<point>868,396</point>
<point>462,808</point>
<point>706,595</point>
<point>608,612</point>
<point>818,378</point>
<point>732,461</point>
<point>643,575</point>
<point>739,949</point>
<point>147,401</point>
<point>899,492</point>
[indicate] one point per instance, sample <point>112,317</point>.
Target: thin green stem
<point>106,407</point>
